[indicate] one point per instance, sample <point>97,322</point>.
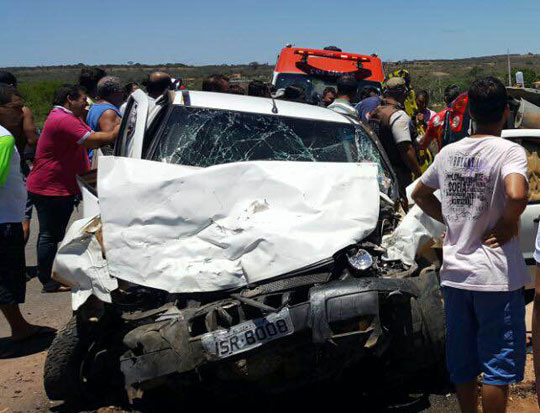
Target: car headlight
<point>360,260</point>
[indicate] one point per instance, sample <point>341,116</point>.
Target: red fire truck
<point>315,69</point>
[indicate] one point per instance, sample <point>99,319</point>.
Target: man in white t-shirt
<point>483,186</point>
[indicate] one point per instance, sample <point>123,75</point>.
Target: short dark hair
<point>347,85</point>
<point>294,93</point>
<point>487,100</point>
<point>129,87</point>
<point>424,93</point>
<point>8,78</point>
<point>451,92</point>
<point>214,83</point>
<point>108,86</point>
<point>236,89</point>
<point>258,88</point>
<point>89,78</point>
<point>329,89</point>
<point>366,90</point>
<point>63,92</point>
<point>6,93</point>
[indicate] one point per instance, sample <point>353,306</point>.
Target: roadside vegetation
<point>38,83</point>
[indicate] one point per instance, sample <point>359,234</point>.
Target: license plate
<point>248,335</point>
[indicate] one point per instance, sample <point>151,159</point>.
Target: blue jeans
<point>485,333</point>
<point>53,215</point>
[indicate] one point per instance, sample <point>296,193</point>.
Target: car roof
<point>252,104</point>
<point>520,133</point>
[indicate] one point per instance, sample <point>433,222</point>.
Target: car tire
<point>61,377</point>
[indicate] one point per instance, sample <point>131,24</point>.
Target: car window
<point>204,137</point>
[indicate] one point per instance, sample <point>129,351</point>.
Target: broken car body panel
<point>181,229</point>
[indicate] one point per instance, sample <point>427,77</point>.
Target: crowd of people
<point>482,178</point>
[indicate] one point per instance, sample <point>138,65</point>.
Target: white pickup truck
<point>530,140</point>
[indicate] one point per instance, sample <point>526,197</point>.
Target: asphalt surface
<point>21,366</point>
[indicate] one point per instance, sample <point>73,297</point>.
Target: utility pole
<point>509,69</point>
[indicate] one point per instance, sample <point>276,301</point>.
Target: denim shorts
<point>485,333</point>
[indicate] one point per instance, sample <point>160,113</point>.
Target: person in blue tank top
<point>104,115</point>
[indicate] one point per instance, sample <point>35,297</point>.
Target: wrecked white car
<point>240,240</point>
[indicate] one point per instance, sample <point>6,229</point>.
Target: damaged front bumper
<point>339,324</point>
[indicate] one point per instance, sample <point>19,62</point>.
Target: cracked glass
<point>205,137</point>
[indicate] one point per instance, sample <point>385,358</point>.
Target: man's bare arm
<point>408,154</point>
<point>29,127</point>
<point>108,121</point>
<point>98,139</point>
<point>424,198</point>
<point>517,189</point>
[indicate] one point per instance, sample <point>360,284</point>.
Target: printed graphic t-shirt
<point>470,175</point>
<point>60,155</point>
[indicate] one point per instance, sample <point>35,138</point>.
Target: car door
<point>131,135</point>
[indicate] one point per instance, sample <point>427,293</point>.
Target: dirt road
<point>21,367</point>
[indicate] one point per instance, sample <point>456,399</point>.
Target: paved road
<point>21,388</point>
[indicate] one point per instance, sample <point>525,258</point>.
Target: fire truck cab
<point>314,70</point>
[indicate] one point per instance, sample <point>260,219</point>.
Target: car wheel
<point>62,379</point>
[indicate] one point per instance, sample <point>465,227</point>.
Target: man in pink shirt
<point>61,155</point>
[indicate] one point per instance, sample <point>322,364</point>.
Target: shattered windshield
<point>205,137</point>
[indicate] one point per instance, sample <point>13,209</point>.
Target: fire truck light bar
<point>331,54</point>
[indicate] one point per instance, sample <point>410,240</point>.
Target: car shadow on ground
<point>314,398</point>
<point>10,349</point>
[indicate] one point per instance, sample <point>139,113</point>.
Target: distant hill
<point>192,75</point>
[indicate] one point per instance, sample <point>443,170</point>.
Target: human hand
<point>500,234</point>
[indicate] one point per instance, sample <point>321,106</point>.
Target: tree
<point>254,65</point>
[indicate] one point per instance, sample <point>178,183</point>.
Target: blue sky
<point>44,32</point>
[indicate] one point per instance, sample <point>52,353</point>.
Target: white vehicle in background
<point>530,140</point>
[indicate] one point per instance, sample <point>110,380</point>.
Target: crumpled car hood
<point>183,229</point>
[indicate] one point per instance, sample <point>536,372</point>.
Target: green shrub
<point>38,97</point>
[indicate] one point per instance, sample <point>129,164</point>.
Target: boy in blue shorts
<point>483,186</point>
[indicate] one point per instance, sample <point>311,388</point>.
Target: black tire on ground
<point>63,364</point>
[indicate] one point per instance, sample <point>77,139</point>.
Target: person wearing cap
<point>347,87</point>
<point>395,134</point>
